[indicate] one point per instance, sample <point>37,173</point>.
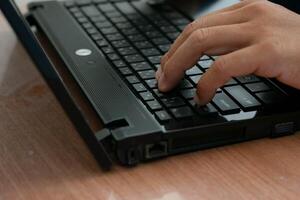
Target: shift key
<point>243,97</point>
<point>225,104</point>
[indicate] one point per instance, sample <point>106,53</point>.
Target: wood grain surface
<point>42,156</point>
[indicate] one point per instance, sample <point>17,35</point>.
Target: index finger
<point>217,40</point>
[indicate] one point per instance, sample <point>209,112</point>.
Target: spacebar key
<point>225,104</point>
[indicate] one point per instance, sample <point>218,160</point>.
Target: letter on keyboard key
<point>225,104</point>
<point>244,98</point>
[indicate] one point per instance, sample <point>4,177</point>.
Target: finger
<point>239,63</point>
<point>204,22</point>
<point>226,16</point>
<point>221,39</point>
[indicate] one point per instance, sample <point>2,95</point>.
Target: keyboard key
<point>119,63</point>
<point>104,24</point>
<point>136,38</point>
<point>125,71</point>
<point>225,104</point>
<point>154,105</point>
<point>141,66</point>
<point>205,57</point>
<point>134,58</point>
<point>147,96</point>
<point>106,49</point>
<point>185,84</point>
<point>113,56</point>
<point>106,7</point>
<point>82,20</point>
<point>119,19</point>
<point>189,93</point>
<point>173,102</point>
<point>193,71</point>
<point>132,79</point>
<point>173,36</point>
<point>152,83</point>
<point>124,25</point>
<point>162,116</point>
<point>150,52</point>
<point>110,30</point>
<point>205,64</point>
<point>98,19</point>
<point>143,45</point>
<point>114,37</point>
<point>139,87</point>
<point>97,36</point>
<point>149,74</point>
<point>168,29</point>
<point>182,112</point>
<point>161,41</point>
<point>155,59</point>
<point>83,2</point>
<point>244,98</point>
<point>207,109</point>
<point>195,79</point>
<point>102,43</point>
<point>113,14</point>
<point>270,97</point>
<point>127,51</point>
<point>153,34</point>
<point>231,82</point>
<point>91,31</point>
<point>257,87</point>
<point>164,48</point>
<point>130,31</point>
<point>120,44</point>
<point>248,79</point>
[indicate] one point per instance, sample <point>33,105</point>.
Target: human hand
<point>252,37</point>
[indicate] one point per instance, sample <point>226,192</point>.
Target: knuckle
<point>259,7</point>
<point>220,67</point>
<point>273,47</point>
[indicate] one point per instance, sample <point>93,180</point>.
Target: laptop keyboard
<point>134,36</point>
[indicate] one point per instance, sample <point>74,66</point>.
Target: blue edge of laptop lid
<point>45,66</point>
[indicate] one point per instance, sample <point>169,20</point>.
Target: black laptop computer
<point>112,49</point>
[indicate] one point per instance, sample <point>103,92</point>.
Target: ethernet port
<point>156,150</point>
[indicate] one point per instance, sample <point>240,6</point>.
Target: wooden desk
<point>42,156</point>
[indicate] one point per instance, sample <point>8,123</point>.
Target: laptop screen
<point>26,36</point>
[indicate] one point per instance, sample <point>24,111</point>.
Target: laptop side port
<point>156,150</point>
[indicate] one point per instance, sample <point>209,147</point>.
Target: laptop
<point>111,50</point>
